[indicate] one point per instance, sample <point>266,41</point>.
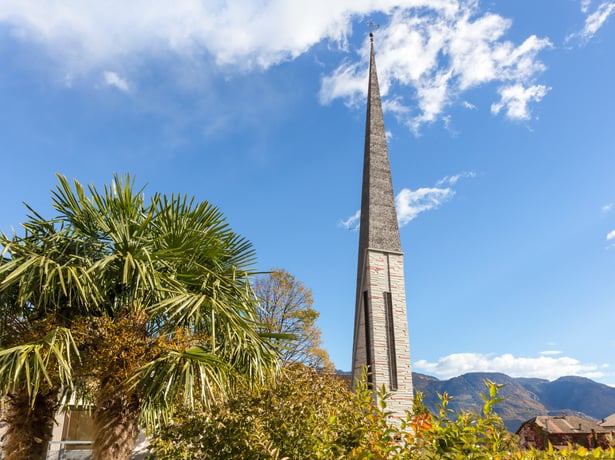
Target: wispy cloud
<point>410,203</point>
<point>550,352</point>
<point>607,207</point>
<point>544,366</point>
<point>515,100</point>
<point>432,51</point>
<point>352,223</point>
<point>452,180</point>
<point>432,56</point>
<point>593,22</point>
<point>90,34</point>
<point>597,19</point>
<point>113,79</point>
<point>610,236</point>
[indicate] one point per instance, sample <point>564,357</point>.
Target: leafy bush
<point>305,414</point>
<point>452,436</point>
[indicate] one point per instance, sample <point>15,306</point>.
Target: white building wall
<point>384,273</point>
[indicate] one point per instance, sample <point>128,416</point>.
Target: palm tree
<point>36,348</point>
<point>157,298</point>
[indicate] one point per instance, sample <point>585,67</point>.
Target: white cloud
<point>352,223</point>
<point>544,366</point>
<point>113,79</point>
<point>430,50</point>
<point>235,32</point>
<point>607,207</point>
<point>593,21</point>
<point>395,106</point>
<point>550,352</point>
<point>452,180</point>
<point>585,5</point>
<point>610,236</point>
<point>411,203</point>
<point>597,19</point>
<point>515,99</point>
<point>468,105</point>
<point>431,58</point>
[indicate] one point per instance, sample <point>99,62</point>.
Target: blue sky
<point>501,132</point>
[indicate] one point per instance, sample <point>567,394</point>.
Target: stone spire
<point>381,329</point>
<point>379,228</point>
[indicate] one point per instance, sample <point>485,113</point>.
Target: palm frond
<point>174,261</point>
<point>31,364</point>
<point>190,375</point>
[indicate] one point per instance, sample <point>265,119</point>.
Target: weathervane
<point>372,26</point>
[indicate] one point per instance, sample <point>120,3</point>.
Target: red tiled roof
<point>568,424</point>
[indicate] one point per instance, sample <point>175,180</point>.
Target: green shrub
<point>305,414</point>
<point>448,435</point>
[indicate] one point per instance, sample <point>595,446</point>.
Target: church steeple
<point>381,328</point>
<point>378,217</point>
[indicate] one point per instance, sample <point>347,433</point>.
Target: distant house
<point>563,430</point>
<point>608,423</point>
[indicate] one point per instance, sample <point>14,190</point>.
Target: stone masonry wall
<point>384,272</point>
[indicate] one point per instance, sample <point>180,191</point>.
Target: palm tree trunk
<point>29,428</point>
<point>116,427</point>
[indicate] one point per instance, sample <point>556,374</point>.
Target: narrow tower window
<point>368,338</point>
<point>388,305</point>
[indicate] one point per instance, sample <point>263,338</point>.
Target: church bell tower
<point>381,341</point>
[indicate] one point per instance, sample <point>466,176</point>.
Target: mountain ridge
<point>523,397</point>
